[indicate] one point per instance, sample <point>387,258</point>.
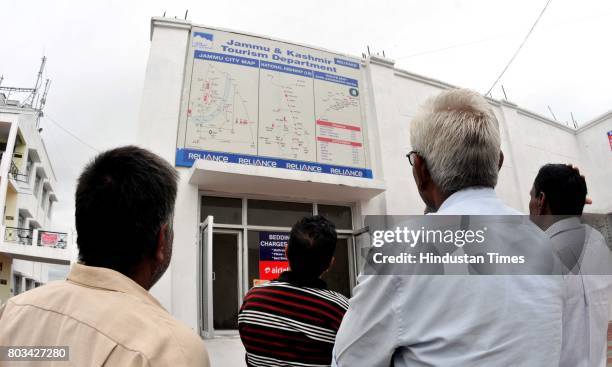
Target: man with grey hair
<point>455,320</point>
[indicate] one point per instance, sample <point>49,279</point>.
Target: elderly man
<point>448,320</point>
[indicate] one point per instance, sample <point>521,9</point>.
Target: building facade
<point>231,203</point>
<point>28,241</point>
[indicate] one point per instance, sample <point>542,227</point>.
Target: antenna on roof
<point>552,113</point>
<point>186,11</point>
<point>368,50</point>
<point>1,79</point>
<point>574,120</point>
<point>503,90</point>
<point>164,14</point>
<point>384,53</point>
<point>43,99</point>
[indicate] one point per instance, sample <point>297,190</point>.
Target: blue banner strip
<point>286,69</point>
<point>186,157</point>
<point>213,56</point>
<point>335,79</point>
<point>350,64</point>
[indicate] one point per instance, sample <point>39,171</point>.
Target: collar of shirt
<point>111,280</point>
<point>563,225</point>
<point>476,200</point>
<point>290,277</point>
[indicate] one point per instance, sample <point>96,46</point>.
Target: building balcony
<point>36,245</point>
<point>17,175</point>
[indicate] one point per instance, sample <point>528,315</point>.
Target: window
<point>43,199</point>
<point>21,222</point>
<point>224,210</point>
<point>276,213</point>
<point>340,215</point>
<point>29,167</point>
<point>37,183</point>
<point>17,279</point>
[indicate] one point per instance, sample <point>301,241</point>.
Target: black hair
<point>312,244</point>
<point>123,198</point>
<point>564,189</point>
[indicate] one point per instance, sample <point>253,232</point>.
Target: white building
<point>224,207</point>
<point>28,242</point>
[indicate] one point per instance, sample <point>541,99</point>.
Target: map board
<point>255,101</point>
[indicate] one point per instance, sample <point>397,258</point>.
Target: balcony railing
<point>52,239</point>
<point>22,236</point>
<point>29,237</point>
<point>18,176</point>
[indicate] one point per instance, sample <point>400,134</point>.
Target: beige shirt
<point>105,318</point>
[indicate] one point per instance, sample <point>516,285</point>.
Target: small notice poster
<point>610,138</point>
<point>272,258</point>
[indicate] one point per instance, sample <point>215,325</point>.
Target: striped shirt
<point>285,323</point>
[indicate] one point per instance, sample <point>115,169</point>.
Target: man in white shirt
<point>447,320</point>
<point>558,196</point>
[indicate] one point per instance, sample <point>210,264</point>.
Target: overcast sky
<point>97,53</point>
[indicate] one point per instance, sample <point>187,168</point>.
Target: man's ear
<point>332,262</point>
<point>422,176</point>
<point>541,199</point>
<point>501,160</point>
<point>162,243</point>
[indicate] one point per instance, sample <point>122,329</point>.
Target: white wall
<point>157,131</point>
<point>528,141</point>
<point>596,162</point>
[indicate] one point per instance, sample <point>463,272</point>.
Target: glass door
<point>205,289</point>
<point>219,281</point>
<point>226,276</point>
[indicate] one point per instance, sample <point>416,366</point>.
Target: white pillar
<point>5,165</point>
<point>157,130</point>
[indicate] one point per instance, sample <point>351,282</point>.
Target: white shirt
<point>486,320</point>
<point>588,286</point>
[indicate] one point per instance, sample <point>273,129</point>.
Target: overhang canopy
<point>258,180</point>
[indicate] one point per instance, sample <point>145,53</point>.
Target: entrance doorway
<point>226,279</point>
<point>229,262</point>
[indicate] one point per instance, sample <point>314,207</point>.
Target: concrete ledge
<point>256,180</point>
<point>36,253</point>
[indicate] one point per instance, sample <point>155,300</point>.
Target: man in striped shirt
<point>293,320</point>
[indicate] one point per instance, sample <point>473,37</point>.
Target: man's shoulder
<point>288,289</point>
<point>127,320</point>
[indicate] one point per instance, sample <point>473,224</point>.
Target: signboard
<point>610,138</point>
<point>272,259</point>
<point>49,239</point>
<point>255,101</point>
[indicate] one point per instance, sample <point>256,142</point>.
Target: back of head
<point>564,189</point>
<point>311,247</point>
<point>457,134</point>
<point>123,198</point>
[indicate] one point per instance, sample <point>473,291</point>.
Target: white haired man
<point>447,320</point>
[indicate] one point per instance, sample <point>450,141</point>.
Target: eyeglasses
<point>411,156</point>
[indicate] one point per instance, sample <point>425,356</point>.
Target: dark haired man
<point>293,320</point>
<point>103,312</point>
<point>558,196</point>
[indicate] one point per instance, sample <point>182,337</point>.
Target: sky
<point>97,53</point>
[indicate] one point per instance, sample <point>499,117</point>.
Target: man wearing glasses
<point>450,320</point>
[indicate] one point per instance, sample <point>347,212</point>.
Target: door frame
<point>206,232</point>
<point>240,276</point>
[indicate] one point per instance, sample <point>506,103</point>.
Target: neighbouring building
<point>264,132</point>
<point>28,241</point>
